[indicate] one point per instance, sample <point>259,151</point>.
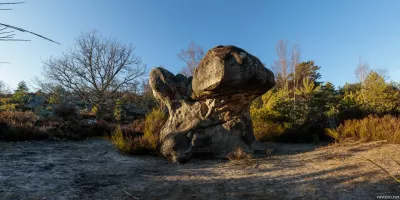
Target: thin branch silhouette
<point>9,35</point>
<point>12,3</point>
<point>23,30</point>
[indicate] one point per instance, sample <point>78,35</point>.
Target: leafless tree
<point>4,89</point>
<point>295,59</point>
<point>285,69</point>
<point>281,65</point>
<point>362,72</point>
<point>96,69</point>
<point>192,57</point>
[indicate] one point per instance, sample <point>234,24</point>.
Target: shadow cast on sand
<point>93,169</point>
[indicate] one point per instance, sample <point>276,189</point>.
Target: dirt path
<point>93,169</point>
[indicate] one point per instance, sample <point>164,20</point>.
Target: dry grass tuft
<point>239,156</point>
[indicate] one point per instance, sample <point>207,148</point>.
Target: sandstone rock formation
<point>209,113</point>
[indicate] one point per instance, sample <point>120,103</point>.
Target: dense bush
<point>265,131</point>
<point>371,128</point>
<point>65,112</point>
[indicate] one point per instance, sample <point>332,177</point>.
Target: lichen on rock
<point>209,113</point>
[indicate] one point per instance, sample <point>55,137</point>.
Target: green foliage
<point>22,87</point>
<point>377,96</point>
<point>6,104</point>
<point>20,95</point>
<point>371,128</point>
<point>305,71</point>
<point>57,96</point>
<point>304,109</point>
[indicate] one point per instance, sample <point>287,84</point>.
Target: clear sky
<point>332,33</point>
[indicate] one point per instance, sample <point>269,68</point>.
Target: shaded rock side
<point>210,113</point>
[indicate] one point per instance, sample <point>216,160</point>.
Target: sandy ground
<point>93,169</point>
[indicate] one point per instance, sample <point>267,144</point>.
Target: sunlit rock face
<point>209,113</point>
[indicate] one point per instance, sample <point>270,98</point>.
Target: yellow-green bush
<point>371,128</point>
<point>146,144</point>
<point>153,123</point>
<point>120,141</point>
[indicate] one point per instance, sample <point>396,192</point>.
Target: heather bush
<point>18,125</point>
<point>25,119</point>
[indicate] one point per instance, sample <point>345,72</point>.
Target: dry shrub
<point>239,156</point>
<point>371,128</point>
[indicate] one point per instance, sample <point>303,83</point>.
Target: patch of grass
<point>371,128</point>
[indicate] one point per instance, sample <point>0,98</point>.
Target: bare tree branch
<point>10,37</point>
<point>11,3</point>
<point>23,30</point>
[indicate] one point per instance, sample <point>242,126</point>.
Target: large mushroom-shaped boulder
<point>210,113</point>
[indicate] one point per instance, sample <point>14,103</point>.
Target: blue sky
<point>332,33</point>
